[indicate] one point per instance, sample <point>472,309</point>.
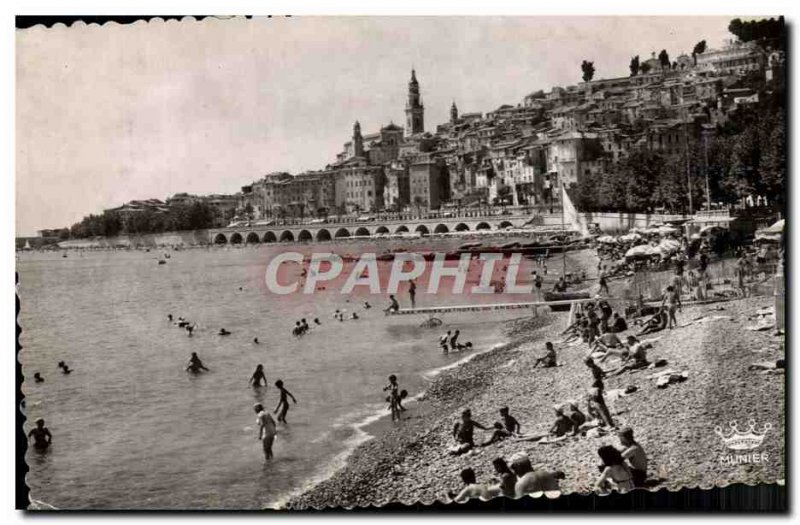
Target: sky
<point>107,114</point>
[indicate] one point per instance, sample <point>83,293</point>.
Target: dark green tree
<point>588,70</point>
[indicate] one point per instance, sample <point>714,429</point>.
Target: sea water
<point>133,430</point>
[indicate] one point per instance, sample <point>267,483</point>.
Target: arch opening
<point>342,232</point>
<point>305,236</point>
<point>236,238</point>
<point>323,235</point>
<point>503,225</point>
<point>362,232</point>
<point>441,228</point>
<point>401,229</point>
<point>269,237</point>
<point>382,229</point>
<point>422,229</point>
<point>483,226</point>
<point>220,239</point>
<point>286,236</point>
<point>252,238</point>
<point>461,227</point>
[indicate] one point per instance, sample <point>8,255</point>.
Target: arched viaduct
<point>321,232</point>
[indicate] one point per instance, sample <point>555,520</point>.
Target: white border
<point>320,7</point>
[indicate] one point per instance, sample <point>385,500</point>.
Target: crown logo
<point>738,440</point>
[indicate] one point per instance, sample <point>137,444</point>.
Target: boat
<point>162,261</point>
<point>564,296</point>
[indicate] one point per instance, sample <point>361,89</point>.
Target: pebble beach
<point>713,347</point>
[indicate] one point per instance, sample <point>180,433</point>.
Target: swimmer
<point>316,321</point>
<point>65,368</point>
<point>297,330</point>
<point>367,306</point>
<point>190,329</point>
<point>222,331</point>
<point>255,340</point>
<point>257,377</point>
<point>354,316</point>
<point>283,403</point>
<point>42,438</point>
<point>195,364</point>
<point>38,377</point>
<point>169,317</point>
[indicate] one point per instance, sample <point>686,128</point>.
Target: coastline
<point>408,462</point>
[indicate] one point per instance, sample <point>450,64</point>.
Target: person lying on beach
<point>195,365</point>
<point>560,286</point>
<point>549,359</point>
<point>463,433</point>
<point>499,434</point>
<point>634,455</point>
<point>267,429</point>
<point>257,377</point>
<point>504,486</point>
<point>510,422</point>
<point>656,323</point>
<point>393,307</point>
<point>614,473</point>
<point>618,324</point>
<point>560,428</point>
<point>530,481</point>
<point>42,438</point>
<point>573,331</point>
<point>283,403</point>
<point>472,489</point>
<point>465,346</point>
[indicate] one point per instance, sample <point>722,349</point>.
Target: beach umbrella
<point>775,228</point>
<point>668,229</point>
<point>643,250</point>
<point>630,237</point>
<point>668,247</point>
<point>606,239</point>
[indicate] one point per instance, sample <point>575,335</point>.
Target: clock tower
<point>415,120</point>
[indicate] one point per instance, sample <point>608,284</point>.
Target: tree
<point>765,33</point>
<point>699,49</point>
<point>634,66</point>
<point>588,70</point>
<point>644,68</point>
<point>663,59</point>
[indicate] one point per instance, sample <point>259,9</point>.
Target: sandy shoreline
<point>407,462</point>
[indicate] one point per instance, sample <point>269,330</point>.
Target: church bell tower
<point>415,120</point>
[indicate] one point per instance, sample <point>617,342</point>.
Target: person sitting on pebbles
<point>635,456</point>
<point>472,489</point>
<point>463,433</point>
<point>529,480</point>
<point>510,422</point>
<point>577,417</point>
<point>635,357</point>
<point>615,473</point>
<point>549,359</point>
<point>499,434</point>
<point>656,323</point>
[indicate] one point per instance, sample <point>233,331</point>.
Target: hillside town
<point>515,155</point>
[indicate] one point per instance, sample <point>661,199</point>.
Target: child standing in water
<point>394,397</point>
<point>283,404</point>
<point>258,376</point>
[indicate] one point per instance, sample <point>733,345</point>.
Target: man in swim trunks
<point>673,298</point>
<point>267,429</point>
<point>510,422</point>
<point>42,438</point>
<point>412,293</point>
